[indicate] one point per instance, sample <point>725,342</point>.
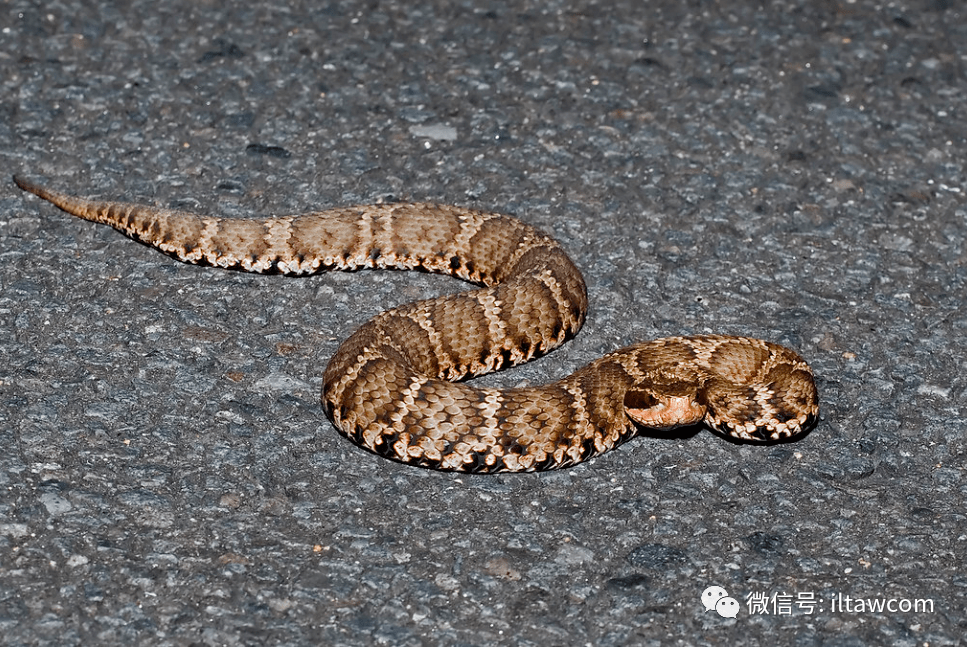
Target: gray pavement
<point>793,171</point>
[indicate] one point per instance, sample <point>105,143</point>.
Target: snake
<point>397,386</point>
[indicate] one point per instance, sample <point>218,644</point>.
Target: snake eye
<point>638,399</point>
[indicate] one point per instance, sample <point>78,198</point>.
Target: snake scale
<point>394,386</point>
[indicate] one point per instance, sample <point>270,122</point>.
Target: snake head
<point>663,410</point>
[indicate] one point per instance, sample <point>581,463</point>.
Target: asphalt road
<point>792,171</point>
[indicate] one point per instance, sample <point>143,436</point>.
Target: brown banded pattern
<point>394,385</point>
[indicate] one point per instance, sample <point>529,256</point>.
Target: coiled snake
<point>394,386</point>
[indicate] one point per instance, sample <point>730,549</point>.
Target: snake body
<point>394,386</point>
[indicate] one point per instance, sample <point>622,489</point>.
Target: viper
<point>396,385</point>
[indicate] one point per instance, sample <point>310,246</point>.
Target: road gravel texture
<point>787,170</point>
